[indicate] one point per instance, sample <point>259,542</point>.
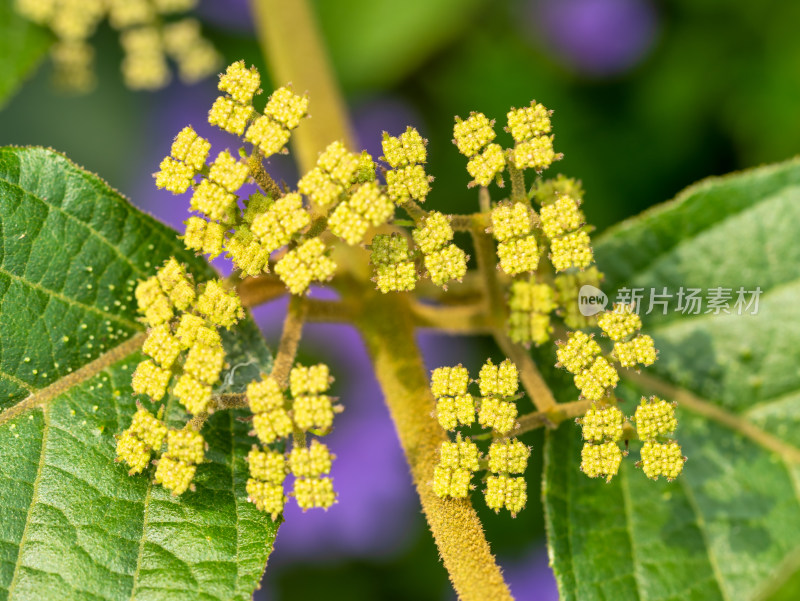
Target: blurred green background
<point>648,98</point>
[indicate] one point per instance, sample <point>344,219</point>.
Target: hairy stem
<point>290,339</point>
<point>404,381</point>
<point>254,291</point>
<point>518,192</point>
<point>532,380</point>
<point>552,418</point>
<point>456,319</point>
<point>263,178</point>
<point>292,44</point>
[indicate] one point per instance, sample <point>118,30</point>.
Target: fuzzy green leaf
<point>728,527</point>
<point>22,46</point>
<point>73,524</point>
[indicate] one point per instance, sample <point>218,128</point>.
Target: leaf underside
<point>73,524</point>
<point>728,528</point>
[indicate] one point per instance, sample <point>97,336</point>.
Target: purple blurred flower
<point>596,37</point>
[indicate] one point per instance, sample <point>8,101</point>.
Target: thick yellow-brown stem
<point>292,44</point>
<point>387,327</point>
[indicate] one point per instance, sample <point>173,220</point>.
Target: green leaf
<point>73,524</point>
<point>22,46</point>
<point>728,527</point>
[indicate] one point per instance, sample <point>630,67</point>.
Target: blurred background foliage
<point>648,98</point>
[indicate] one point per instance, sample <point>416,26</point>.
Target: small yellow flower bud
<point>561,217</point>
<point>388,250</point>
<point>174,176</point>
<point>272,425</point>
<point>204,236</point>
<point>255,205</point>
<point>307,263</point>
<point>265,395</point>
<point>366,168</point>
<point>314,492</point>
<point>473,134</point>
<point>314,379</point>
<point>286,108</point>
<point>602,424</point>
<point>448,263</point>
<point>162,346</point>
<point>526,328</point>
<point>240,82</point>
<point>407,149</point>
<point>519,255</point>
<point>347,224</point>
<point>498,415</point>
<point>247,254</point>
<point>284,218</point>
<point>511,221</point>
<point>601,460</point>
<point>268,135</point>
<point>186,445</point>
<point>446,413</point>
<point>340,164</point>
<point>448,454</point>
<point>228,172</point>
<point>396,278</point>
<point>144,66</point>
<point>147,428</point>
<point>370,204</point>
<point>654,417</point>
<point>449,381</point>
<point>408,182</point>
<point>485,166</point>
<point>193,394</point>
<point>192,328</point>
<point>435,233</point>
<point>506,491</point>
<point>529,122</point>
<point>320,188</point>
<point>311,462</point>
<point>229,115</point>
<point>267,497</point>
<point>190,148</point>
<point>177,284</point>
<point>662,460</point>
<point>567,287</point>
<point>313,412</point>
<point>132,451</point>
<point>220,307</point>
<point>499,380</point>
<point>577,352</point>
<point>468,454</point>
<point>508,456</point>
<point>548,191</point>
<point>449,482</point>
<point>594,381</point>
<point>214,201</point>
<point>268,466</point>
<point>527,296</point>
<point>572,250</point>
<point>645,349</point>
<point>536,153</point>
<point>619,323</point>
<point>151,380</point>
<point>205,363</point>
<point>174,475</point>
<point>196,57</point>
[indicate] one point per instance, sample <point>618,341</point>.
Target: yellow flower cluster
<point>508,456</point>
<point>265,484</point>
<point>172,288</point>
<point>498,383</point>
<point>394,269</point>
<point>187,157</point>
<point>578,352</point>
<point>305,264</point>
<point>594,375</point>
<point>136,444</point>
<point>533,148</point>
<point>473,138</point>
<point>567,287</point>
<point>215,197</point>
<point>641,350</point>
<point>530,305</point>
<point>570,246</point>
<point>454,405</point>
<point>655,417</point>
<point>601,460</point>
<point>662,459</point>
<point>602,424</point>
<point>271,420</point>
<point>309,466</point>
<point>311,408</point>
<point>144,39</point>
<point>337,169</point>
<point>280,221</point>
<point>506,491</point>
<point>271,131</point>
<point>619,323</point>
<point>594,381</point>
<point>205,237</point>
<point>444,261</point>
<point>366,207</point>
<point>177,466</point>
<point>407,178</point>
<point>561,217</point>
<point>457,462</point>
<point>517,249</point>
